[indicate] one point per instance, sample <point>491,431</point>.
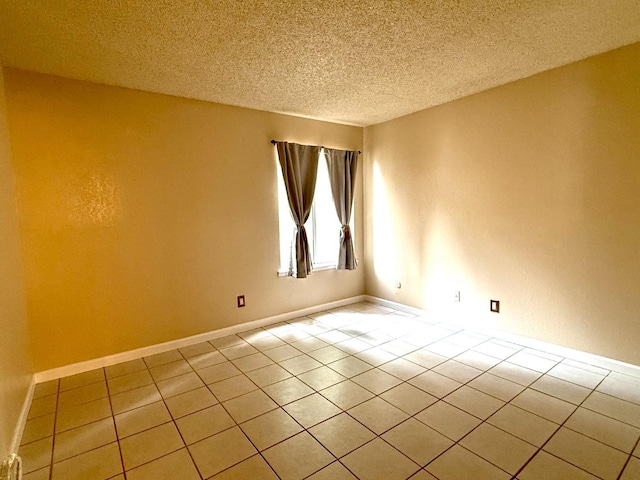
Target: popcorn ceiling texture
<point>359,62</point>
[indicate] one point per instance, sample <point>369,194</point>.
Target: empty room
<point>329,240</point>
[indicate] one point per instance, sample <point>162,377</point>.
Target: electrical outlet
<point>456,296</point>
<point>495,306</point>
<point>241,301</point>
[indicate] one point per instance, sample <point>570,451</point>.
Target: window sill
<point>315,269</point>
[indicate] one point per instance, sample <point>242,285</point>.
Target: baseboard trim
<point>22,418</point>
<point>578,355</point>
<point>87,365</point>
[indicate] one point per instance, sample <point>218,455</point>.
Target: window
<point>323,226</point>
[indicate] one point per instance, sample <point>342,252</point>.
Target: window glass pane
<point>327,226</point>
<point>286,225</point>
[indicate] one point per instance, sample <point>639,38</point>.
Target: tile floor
<point>361,391</point>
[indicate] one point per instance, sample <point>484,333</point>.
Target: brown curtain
<point>299,164</point>
<point>342,165</point>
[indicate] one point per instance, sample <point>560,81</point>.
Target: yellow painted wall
<point>15,369</point>
<point>143,216</point>
<point>528,193</point>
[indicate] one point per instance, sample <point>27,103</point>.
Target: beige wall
<point>15,370</point>
<point>528,193</point>
<point>143,216</point>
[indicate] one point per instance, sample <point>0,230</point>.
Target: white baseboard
<point>22,418</point>
<point>570,353</point>
<point>85,366</point>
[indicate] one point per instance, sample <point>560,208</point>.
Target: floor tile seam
<point>560,426</point>
<point>81,386</point>
<point>185,446</point>
<point>617,397</point>
<point>573,382</point>
<point>624,467</point>
<point>115,428</point>
<point>597,439</point>
<point>53,439</point>
<point>609,416</point>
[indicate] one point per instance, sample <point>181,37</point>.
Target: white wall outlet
<point>456,296</point>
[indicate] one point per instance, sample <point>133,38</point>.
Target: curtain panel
<point>342,166</point>
<point>299,165</point>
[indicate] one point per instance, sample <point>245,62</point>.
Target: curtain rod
<point>322,146</point>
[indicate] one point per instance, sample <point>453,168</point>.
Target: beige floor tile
<point>548,467</point>
<point>297,457</point>
<point>268,375</point>
<point>334,471</point>
<point>232,387</point>
<point>544,405</point>
<point>162,358</point>
<point>204,423</point>
<point>197,349</point>
<point>288,391</point>
<point>138,397</point>
<point>328,354</point>
<point>129,382</point>
<point>532,362</point>
<point>354,345</point>
<point>204,360</point>
<point>435,384</point>
<point>586,366</point>
<point>143,418</point>
<point>377,415</point>
<point>252,362</point>
<point>42,406</point>
<point>398,347</point>
<point>176,465</point>
<point>497,387</point>
<point>417,441</point>
<point>498,447</point>
<point>252,468</point>
<point>375,356</point>
<point>38,428</point>
<point>80,395</point>
<point>149,445</point>
<point>448,420</point>
<point>350,366</point>
<point>227,341</point>
<point>446,349</point>
<point>425,358</point>
<point>457,371</point>
<point>181,384</point>
<point>36,455</point>
<point>458,463</point>
<point>83,439</point>
<point>477,360</point>
<point>98,464</point>
<point>300,364</point>
<point>249,405</point>
<point>423,475</point>
<point>576,375</point>
<point>309,344</point>
<point>283,352</point>
<point>45,389</point>
<point>190,402</point>
<point>376,381</point>
<point>81,379</point>
<point>567,391</point>
<point>636,452</point>
<point>632,470</point>
<point>590,455</point>
<point>614,407</point>
<point>41,474</point>
<point>170,370</point>
<point>311,410</point>
<point>125,368</point>
<point>321,377</point>
<point>346,394</point>
<point>216,373</point>
<point>221,451</point>
<point>377,460</point>
<point>238,351</point>
<point>474,402</point>
<point>401,368</point>
<point>607,430</point>
<point>270,428</point>
<point>525,425</point>
<point>267,343</point>
<point>341,434</point>
<point>496,349</point>
<point>408,398</point>
<point>620,389</point>
<point>333,336</point>
<point>515,373</point>
<point>82,414</point>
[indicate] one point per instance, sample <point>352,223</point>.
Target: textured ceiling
<point>358,62</point>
